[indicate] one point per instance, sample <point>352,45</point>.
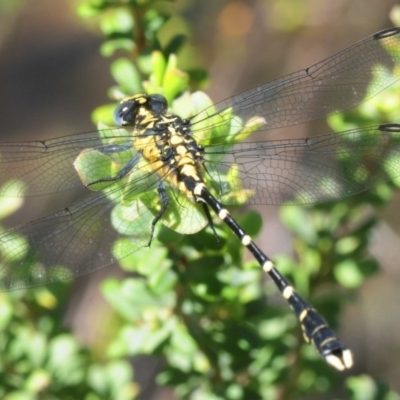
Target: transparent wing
<point>338,83</point>
<point>40,167</point>
<point>94,232</point>
<point>71,242</point>
<point>302,171</point>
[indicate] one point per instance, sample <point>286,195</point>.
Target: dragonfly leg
<point>164,205</point>
<point>121,173</point>
<point>210,221</point>
<point>116,148</point>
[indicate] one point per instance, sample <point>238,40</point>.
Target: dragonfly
<point>157,168</point>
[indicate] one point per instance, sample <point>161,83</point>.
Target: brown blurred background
<point>52,76</point>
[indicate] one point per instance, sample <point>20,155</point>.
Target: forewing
<point>338,83</point>
<point>305,171</point>
<point>41,167</point>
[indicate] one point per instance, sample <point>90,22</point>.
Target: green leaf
<point>109,47</point>
<point>113,380</point>
<point>116,20</point>
<point>132,297</point>
<point>175,82</point>
<point>104,115</point>
<point>363,387</point>
<point>251,222</point>
<point>175,44</point>
<point>93,166</point>
<point>126,75</point>
<point>38,381</point>
<point>163,280</point>
<point>297,220</point>
<point>158,64</point>
<point>348,274</point>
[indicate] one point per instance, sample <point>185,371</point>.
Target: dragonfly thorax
<point>164,140</point>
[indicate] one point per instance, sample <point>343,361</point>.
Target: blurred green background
<point>52,76</point>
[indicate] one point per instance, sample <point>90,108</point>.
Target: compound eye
<point>157,103</point>
<point>125,112</point>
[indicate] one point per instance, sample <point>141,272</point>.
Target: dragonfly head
<point>126,112</point>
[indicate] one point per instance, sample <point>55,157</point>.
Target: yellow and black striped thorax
<point>164,141</point>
